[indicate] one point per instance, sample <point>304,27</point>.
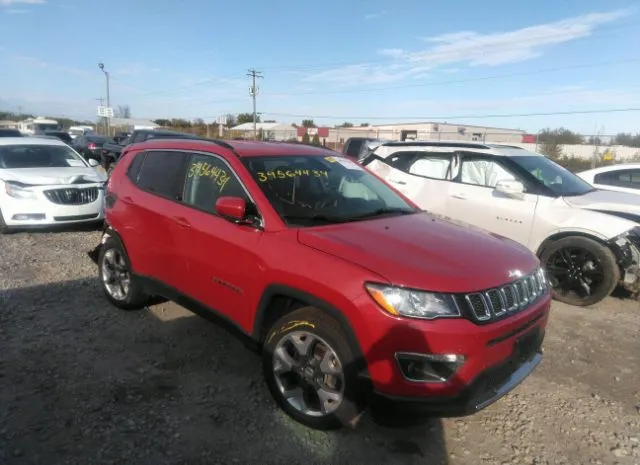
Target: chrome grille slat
<point>72,196</point>
<point>516,296</point>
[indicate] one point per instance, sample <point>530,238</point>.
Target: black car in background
<point>63,136</point>
<point>7,132</point>
<point>89,145</point>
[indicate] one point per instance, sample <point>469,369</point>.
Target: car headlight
<point>410,303</point>
<point>17,191</point>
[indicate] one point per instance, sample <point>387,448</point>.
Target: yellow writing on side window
<point>219,176</point>
<point>283,174</point>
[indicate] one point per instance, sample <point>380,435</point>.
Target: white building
<point>269,131</point>
<point>431,130</point>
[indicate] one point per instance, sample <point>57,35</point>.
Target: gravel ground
<point>84,383</point>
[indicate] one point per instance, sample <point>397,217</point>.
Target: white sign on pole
<point>105,112</point>
<point>312,131</point>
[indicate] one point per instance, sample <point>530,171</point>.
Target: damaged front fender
<point>626,247</point>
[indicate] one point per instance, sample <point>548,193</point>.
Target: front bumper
<point>40,212</point>
<point>626,248</point>
<point>497,356</point>
<point>487,388</point>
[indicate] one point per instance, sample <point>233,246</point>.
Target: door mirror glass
<point>510,188</point>
<point>231,207</point>
<point>93,162</point>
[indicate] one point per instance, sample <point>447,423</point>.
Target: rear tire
<point>573,261</point>
<point>324,370</point>
<point>121,287</point>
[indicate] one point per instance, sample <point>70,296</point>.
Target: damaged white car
<point>44,182</point>
<point>588,239</point>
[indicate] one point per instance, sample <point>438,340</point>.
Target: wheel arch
<point>278,300</point>
<point>569,233</point>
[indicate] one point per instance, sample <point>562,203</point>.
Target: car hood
<point>606,201</point>
<point>53,176</point>
<point>424,252</point>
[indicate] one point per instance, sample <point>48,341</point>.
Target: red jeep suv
<point>349,291</point>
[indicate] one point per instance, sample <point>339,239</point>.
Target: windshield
<point>312,190</point>
<point>39,156</point>
<point>560,180</point>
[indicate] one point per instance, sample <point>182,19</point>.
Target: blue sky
<point>373,61</point>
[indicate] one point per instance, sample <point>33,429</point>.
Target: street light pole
<point>107,122</point>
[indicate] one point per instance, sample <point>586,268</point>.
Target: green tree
<point>560,136</point>
<point>305,138</point>
<point>346,124</point>
<point>308,123</point>
<point>316,139</point>
<point>123,111</point>
<point>246,118</point>
<point>162,122</point>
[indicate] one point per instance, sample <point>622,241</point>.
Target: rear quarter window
<point>162,173</point>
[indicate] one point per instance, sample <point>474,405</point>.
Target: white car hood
<point>52,176</point>
<point>607,201</point>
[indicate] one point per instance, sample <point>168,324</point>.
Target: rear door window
<point>620,178</point>
<point>162,173</point>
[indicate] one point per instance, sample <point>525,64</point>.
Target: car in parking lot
<point>587,239</point>
<point>347,289</point>
<point>623,177</point>
<point>44,182</point>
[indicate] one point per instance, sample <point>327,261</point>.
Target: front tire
<point>581,271</point>
<point>120,285</point>
<point>311,371</point>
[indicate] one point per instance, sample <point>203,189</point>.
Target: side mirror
<point>231,207</point>
<point>93,162</point>
<point>510,188</point>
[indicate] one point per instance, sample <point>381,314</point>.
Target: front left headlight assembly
<point>410,303</point>
<point>19,191</point>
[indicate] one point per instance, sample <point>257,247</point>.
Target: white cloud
<point>21,2</point>
<point>471,48</point>
<point>377,15</point>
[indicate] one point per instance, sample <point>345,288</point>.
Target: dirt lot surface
<point>84,383</point>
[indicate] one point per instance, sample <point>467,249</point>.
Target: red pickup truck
<point>347,290</point>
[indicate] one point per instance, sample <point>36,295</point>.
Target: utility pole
<point>253,92</point>
<point>106,75</point>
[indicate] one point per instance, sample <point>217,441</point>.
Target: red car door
<point>222,259</point>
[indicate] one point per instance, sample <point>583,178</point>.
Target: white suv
<point>587,239</point>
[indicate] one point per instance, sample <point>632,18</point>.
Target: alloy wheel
<point>115,274</point>
<point>308,374</point>
<point>575,269</point>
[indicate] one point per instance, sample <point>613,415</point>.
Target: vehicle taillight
<point>91,146</point>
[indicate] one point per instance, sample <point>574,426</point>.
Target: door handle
<point>460,196</point>
<point>397,181</point>
<point>127,199</point>
<point>181,222</point>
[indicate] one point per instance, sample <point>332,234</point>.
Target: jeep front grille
<point>72,196</point>
<point>495,303</point>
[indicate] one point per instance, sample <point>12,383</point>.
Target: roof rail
<point>424,143</point>
<point>222,143</point>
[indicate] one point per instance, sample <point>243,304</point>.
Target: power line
<point>253,92</point>
<point>449,117</point>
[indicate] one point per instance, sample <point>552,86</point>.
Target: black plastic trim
<point>283,290</point>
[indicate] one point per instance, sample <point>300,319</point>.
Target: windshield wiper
<point>324,218</point>
<point>382,211</point>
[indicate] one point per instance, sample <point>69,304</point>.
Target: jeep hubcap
<point>308,374</point>
<point>115,274</point>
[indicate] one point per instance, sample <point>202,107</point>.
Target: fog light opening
<point>429,368</point>
<point>28,216</point>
